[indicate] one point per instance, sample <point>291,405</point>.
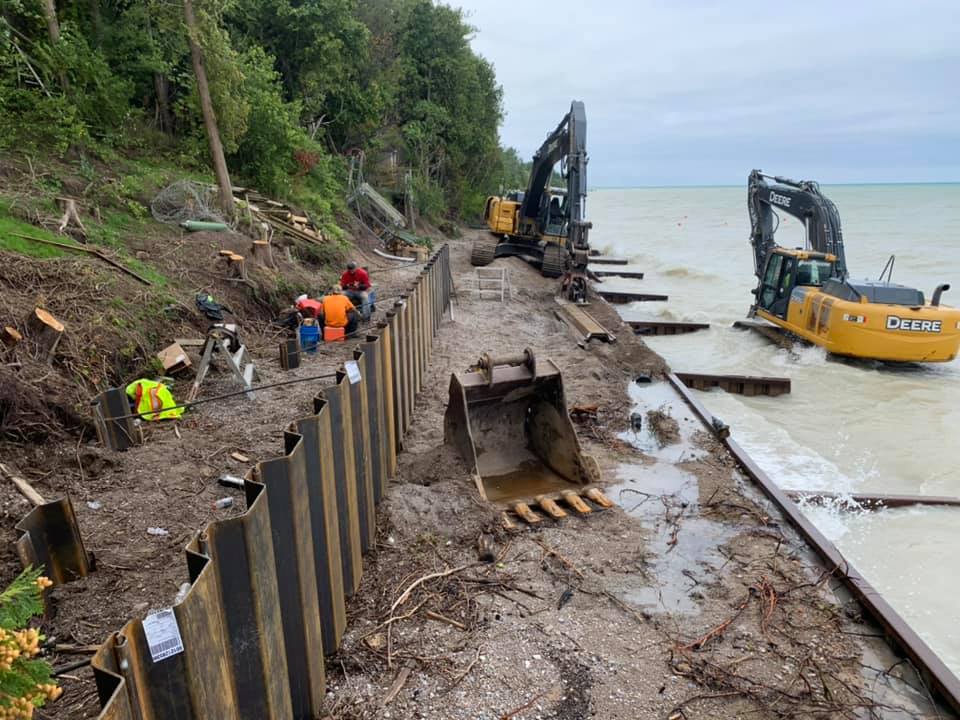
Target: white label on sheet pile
<point>353,371</point>
<point>163,635</point>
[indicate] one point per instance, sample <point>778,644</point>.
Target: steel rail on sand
<point>939,678</point>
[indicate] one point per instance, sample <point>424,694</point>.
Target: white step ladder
<point>493,280</point>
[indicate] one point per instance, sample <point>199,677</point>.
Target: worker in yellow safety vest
<point>153,400</point>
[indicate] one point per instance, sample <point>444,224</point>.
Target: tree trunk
<point>45,331</point>
<point>162,87</point>
<point>53,30</point>
<point>209,116</point>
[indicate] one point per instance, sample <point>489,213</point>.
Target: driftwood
<point>70,216</point>
<point>25,488</point>
<point>45,330</point>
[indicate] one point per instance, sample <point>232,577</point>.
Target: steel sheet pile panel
<point>233,664</point>
<point>372,366</point>
<point>325,524</point>
<point>269,587</point>
<point>116,434</point>
<point>360,427</point>
<point>344,472</point>
<point>48,537</point>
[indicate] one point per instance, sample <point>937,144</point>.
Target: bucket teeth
<point>599,498</point>
<point>524,511</point>
<point>576,502</point>
<point>550,507</point>
<point>508,524</point>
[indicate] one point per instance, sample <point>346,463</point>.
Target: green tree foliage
<point>24,680</point>
<point>294,83</point>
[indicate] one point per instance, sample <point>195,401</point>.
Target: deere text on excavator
<point>808,292</point>
<point>546,225</point>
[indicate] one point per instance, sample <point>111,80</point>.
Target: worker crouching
<point>355,282</point>
<point>339,312</point>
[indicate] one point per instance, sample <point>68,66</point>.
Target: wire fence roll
<point>268,587</point>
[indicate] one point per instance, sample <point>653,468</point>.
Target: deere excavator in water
<point>546,225</point>
<point>808,292</point>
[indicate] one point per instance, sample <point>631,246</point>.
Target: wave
<point>687,272</point>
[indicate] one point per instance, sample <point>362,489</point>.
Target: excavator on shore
<point>546,225</point>
<point>809,294</point>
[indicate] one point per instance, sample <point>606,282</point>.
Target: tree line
<point>286,88</point>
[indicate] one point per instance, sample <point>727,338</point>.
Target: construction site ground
<point>690,599</point>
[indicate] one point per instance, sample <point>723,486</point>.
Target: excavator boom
<point>804,201</point>
<point>547,225</point>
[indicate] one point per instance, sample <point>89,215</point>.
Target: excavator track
<point>553,261</point>
<point>483,252</point>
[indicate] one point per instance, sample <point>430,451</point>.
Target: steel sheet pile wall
<point>269,587</point>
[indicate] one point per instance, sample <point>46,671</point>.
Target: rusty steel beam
<point>620,298</point>
<point>663,327</point>
<point>937,676</point>
<point>631,274</point>
<point>873,501</point>
<point>749,385</point>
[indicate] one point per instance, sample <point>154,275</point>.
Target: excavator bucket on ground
<point>508,419</point>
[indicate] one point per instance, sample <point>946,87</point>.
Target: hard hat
<point>300,299</point>
<point>351,265</point>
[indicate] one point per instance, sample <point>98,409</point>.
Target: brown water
<point>532,478</point>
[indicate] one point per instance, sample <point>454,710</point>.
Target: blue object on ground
<point>309,337</point>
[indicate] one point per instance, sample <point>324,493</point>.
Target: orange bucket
<point>333,334</point>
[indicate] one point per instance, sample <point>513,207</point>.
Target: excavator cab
<point>787,269</point>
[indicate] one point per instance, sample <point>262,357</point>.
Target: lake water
<point>845,427</point>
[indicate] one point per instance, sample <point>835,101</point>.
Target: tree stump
<point>44,330</point>
<point>11,336</point>
<point>262,252</point>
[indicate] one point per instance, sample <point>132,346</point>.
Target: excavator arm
<point>804,201</point>
<point>567,144</point>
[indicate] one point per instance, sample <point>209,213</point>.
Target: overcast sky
<point>691,92</point>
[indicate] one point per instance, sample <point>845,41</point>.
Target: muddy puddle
<point>682,548</point>
<point>661,399</point>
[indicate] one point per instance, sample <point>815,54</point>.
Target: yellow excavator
<point>809,294</point>
<point>545,225</point>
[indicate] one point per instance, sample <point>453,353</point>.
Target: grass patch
<point>10,224</point>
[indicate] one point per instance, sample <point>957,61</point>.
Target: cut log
<point>25,488</point>
<point>11,336</point>
<point>45,330</point>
